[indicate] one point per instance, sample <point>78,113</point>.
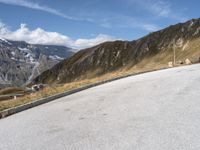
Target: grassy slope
<point>158,61</point>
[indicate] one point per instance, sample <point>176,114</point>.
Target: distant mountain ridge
<point>20,62</point>
<point>157,47</point>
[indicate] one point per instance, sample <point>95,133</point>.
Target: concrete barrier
<point>35,103</point>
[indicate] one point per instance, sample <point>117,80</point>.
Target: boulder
<point>180,62</point>
<point>170,64</point>
<point>188,62</point>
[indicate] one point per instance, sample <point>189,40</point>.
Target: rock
<point>170,64</point>
<point>37,87</point>
<point>188,62</point>
<point>110,56</point>
<point>180,62</point>
<point>20,62</point>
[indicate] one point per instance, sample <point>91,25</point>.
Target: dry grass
<point>11,90</point>
<point>149,63</point>
<point>52,90</point>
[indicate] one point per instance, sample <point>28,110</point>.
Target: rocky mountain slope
<point>21,62</point>
<point>111,56</point>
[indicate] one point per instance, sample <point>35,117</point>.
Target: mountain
<point>155,48</point>
<point>20,62</point>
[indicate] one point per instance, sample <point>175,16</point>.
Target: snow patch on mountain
<point>197,31</point>
<point>24,49</point>
<point>56,57</point>
<point>20,61</point>
<point>4,40</point>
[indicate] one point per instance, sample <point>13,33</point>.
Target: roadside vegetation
<point>149,63</point>
<point>11,90</point>
<point>56,89</point>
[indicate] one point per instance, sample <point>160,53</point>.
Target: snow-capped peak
<point>4,40</point>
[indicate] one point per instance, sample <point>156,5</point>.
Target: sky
<point>85,23</point>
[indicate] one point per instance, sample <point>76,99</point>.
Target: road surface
<point>152,111</point>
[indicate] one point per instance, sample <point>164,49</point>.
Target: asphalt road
<point>152,111</point>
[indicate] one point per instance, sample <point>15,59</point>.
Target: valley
<point>112,60</point>
<point>21,62</point>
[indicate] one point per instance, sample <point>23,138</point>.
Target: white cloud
<point>123,21</point>
<point>159,8</point>
<point>91,42</point>
<point>3,28</point>
<point>164,9</point>
<point>40,36</point>
<point>36,6</point>
<point>106,22</point>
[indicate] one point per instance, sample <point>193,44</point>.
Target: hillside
<point>153,50</point>
<point>20,62</point>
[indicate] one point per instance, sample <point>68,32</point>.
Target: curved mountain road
<point>152,111</point>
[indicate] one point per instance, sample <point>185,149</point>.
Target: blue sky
<point>84,23</point>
